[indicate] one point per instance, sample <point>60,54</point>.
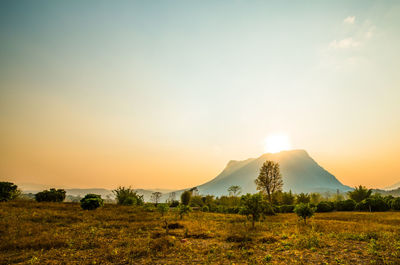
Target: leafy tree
<point>303,198</point>
<point>91,202</point>
<point>288,198</point>
<point>304,210</point>
<point>325,206</point>
<point>8,191</point>
<point>194,191</point>
<point>286,208</point>
<point>359,193</point>
<point>346,205</point>
<point>269,179</point>
<point>196,201</point>
<point>254,205</point>
<point>315,198</point>
<point>184,209</point>
<point>128,196</point>
<point>375,203</point>
<point>155,197</point>
<point>163,208</point>
<point>174,204</point>
<point>234,190</point>
<point>186,197</point>
<point>52,195</point>
<point>395,204</point>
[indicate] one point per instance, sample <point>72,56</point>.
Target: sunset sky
<point>162,94</point>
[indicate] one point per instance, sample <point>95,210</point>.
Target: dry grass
<point>62,233</point>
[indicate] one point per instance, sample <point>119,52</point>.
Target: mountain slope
<point>300,173</point>
<point>393,187</point>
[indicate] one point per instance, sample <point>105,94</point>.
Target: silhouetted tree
<point>270,179</point>
<point>91,202</point>
<point>8,191</point>
<point>234,190</point>
<point>52,195</point>
<point>360,193</point>
<point>186,197</point>
<point>155,197</point>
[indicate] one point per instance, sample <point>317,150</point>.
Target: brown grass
<point>62,233</point>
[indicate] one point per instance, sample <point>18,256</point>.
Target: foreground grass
<point>62,233</point>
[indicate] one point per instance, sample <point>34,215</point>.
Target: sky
<point>162,94</point>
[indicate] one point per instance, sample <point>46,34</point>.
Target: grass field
<point>62,233</point>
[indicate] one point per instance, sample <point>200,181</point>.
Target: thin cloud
<point>349,20</point>
<point>344,44</point>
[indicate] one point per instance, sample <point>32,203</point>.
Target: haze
<point>163,94</point>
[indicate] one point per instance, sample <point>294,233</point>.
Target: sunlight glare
<point>276,143</point>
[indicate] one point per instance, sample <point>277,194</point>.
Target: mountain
<point>300,173</point>
<point>393,187</point>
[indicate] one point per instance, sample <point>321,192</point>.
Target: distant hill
<point>393,187</point>
<point>299,171</point>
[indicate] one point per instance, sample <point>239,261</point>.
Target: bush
<point>373,204</point>
<point>174,204</point>
<point>205,209</point>
<point>51,195</point>
<point>286,209</point>
<point>347,205</point>
<point>396,204</point>
<point>128,196</point>
<point>163,208</point>
<point>325,206</point>
<point>91,202</point>
<point>8,191</point>
<point>304,210</point>
<point>186,197</point>
<point>184,209</point>
<point>256,206</point>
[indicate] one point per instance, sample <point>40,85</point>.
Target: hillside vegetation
<point>60,233</point>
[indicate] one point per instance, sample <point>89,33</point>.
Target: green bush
<point>52,195</point>
<point>91,202</point>
<point>174,204</point>
<point>374,203</point>
<point>325,206</point>
<point>163,208</point>
<point>286,209</point>
<point>8,191</point>
<point>346,205</point>
<point>186,197</point>
<point>304,210</point>
<point>395,204</point>
<point>205,209</point>
<point>128,196</point>
<point>184,209</point>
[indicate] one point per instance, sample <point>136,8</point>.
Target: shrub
<point>51,195</point>
<point>256,206</point>
<point>374,203</point>
<point>205,209</point>
<point>163,208</point>
<point>286,209</point>
<point>396,204</point>
<point>304,210</point>
<point>91,202</point>
<point>184,209</point>
<point>128,196</point>
<point>186,197</point>
<point>303,198</point>
<point>8,191</point>
<point>149,207</point>
<point>325,206</point>
<point>346,205</point>
<point>174,204</point>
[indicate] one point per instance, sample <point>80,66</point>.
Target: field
<point>62,233</point>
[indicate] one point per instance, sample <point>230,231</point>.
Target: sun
<point>277,142</point>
